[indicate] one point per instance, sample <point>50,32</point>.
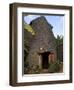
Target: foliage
<point>26,51</point>
<point>59,43</point>
<point>33,70</point>
<point>54,67</point>
<point>59,40</point>
<point>26,46</point>
<point>26,67</point>
<point>37,69</point>
<point>29,28</point>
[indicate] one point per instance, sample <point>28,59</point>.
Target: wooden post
<point>51,57</point>
<point>40,61</point>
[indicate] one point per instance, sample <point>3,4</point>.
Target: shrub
<point>26,67</point>
<point>37,69</point>
<point>34,70</point>
<point>54,67</point>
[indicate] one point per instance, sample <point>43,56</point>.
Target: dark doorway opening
<point>45,60</point>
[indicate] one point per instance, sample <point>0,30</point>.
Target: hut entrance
<point>45,60</point>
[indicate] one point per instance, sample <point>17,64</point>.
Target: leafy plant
<point>59,47</point>
<point>29,28</point>
<point>34,70</point>
<point>54,67</point>
<point>37,69</point>
<point>26,67</point>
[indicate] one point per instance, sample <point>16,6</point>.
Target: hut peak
<point>41,20</point>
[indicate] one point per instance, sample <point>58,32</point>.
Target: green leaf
<point>29,29</point>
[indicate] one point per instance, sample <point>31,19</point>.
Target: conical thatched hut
<point>43,46</point>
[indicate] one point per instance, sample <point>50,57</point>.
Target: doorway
<point>45,60</point>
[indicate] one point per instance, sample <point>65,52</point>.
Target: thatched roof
<point>44,38</point>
